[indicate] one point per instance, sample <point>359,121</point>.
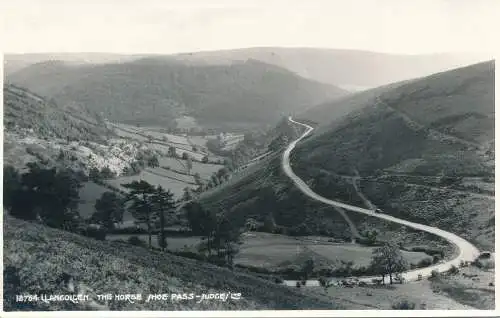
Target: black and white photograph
<point>246,157</point>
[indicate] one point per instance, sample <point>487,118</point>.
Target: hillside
<point>33,265</point>
<point>26,110</point>
<point>156,91</point>
<point>16,62</point>
<point>423,149</point>
<point>349,69</point>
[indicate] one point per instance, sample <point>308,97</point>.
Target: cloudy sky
<point>163,26</point>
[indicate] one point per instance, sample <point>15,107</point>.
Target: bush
<point>297,284</point>
<point>98,234</point>
<point>453,270</point>
<point>323,281</point>
<point>424,263</point>
<point>403,305</point>
<point>435,274</point>
<point>134,240</point>
<point>278,280</point>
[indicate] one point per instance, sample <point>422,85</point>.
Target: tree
<point>197,178</point>
<point>153,161</point>
<point>11,185</point>
<point>94,174</point>
<point>107,173</point>
<point>163,201</point>
<point>189,164</point>
<point>223,174</point>
<point>224,236</point>
<point>140,194</point>
<point>172,152</point>
<point>187,195</point>
<point>109,210</point>
<point>202,222</point>
<point>371,237</point>
<point>185,156</point>
<point>388,260</point>
<point>204,159</point>
<point>308,268</point>
<point>215,180</point>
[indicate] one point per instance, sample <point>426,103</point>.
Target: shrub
<point>303,282</point>
<point>453,270</point>
<point>134,240</point>
<point>403,305</point>
<point>424,263</point>
<point>435,274</point>
<point>323,281</point>
<point>278,280</point>
<point>297,284</point>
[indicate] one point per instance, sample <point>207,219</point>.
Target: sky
<point>164,26</point>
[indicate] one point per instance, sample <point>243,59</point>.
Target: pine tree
<point>163,201</point>
<point>140,194</point>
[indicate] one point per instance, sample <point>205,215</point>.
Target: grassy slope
<point>457,103</point>
<point>369,139</point>
<point>40,254</point>
<point>156,91</point>
<point>24,109</point>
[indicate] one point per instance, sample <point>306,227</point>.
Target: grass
<point>384,297</point>
<point>469,287</point>
<point>89,193</point>
<point>36,256</point>
<point>176,187</point>
<point>273,250</point>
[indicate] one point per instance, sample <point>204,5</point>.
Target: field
<point>156,139</point>
<point>89,193</point>
<point>271,250</point>
<point>176,187</point>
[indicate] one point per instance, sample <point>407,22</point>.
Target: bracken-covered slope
<point>155,90</point>
<point>35,257</point>
<point>424,151</point>
<point>24,109</point>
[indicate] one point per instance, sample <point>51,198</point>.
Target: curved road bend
<point>467,251</point>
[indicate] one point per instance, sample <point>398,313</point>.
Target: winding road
<point>467,251</point>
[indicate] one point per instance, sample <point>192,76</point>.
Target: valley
<point>247,176</point>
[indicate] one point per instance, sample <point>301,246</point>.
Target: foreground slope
<point>156,91</point>
<point>36,256</point>
<point>415,167</point>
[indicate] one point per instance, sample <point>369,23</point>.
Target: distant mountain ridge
<point>349,69</point>
<point>155,90</point>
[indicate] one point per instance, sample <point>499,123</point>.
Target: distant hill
<point>156,90</point>
<point>24,109</point>
<point>16,62</point>
<point>424,150</point>
<point>349,69</point>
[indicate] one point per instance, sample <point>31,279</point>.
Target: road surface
<point>467,251</point>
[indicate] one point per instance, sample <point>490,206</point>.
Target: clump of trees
<point>220,233</point>
<point>148,204</point>
<point>48,195</point>
<point>387,260</point>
